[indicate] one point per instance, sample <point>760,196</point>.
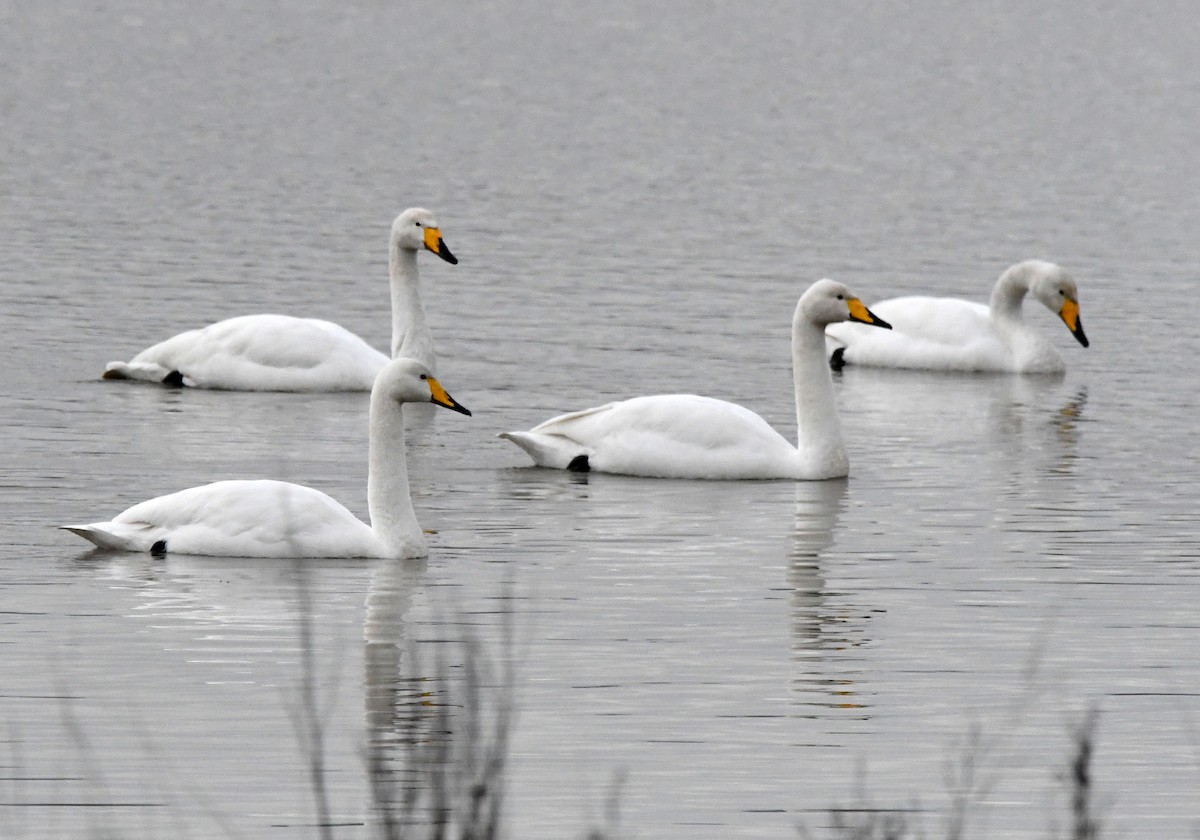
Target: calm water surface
<point>637,195</point>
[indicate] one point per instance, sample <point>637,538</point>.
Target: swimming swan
<point>686,436</point>
<point>279,519</point>
<point>282,353</point>
<point>952,334</point>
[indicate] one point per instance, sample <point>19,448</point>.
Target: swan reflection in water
<point>435,729</point>
<point>389,697</point>
<point>1035,426</point>
<point>821,630</point>
<point>1006,423</point>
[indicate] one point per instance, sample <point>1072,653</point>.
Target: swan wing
<point>668,436</point>
<point>260,353</point>
<point>928,333</point>
<point>238,519</point>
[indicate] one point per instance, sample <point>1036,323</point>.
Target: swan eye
<point>418,224</point>
<point>841,297</point>
<point>423,377</point>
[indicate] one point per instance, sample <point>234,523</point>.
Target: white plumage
<point>262,518</point>
<point>951,334</point>
<point>689,436</point>
<point>284,353</point>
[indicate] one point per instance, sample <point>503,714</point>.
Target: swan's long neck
<point>1007,296</point>
<point>388,501</point>
<point>1030,351</point>
<point>819,434</point>
<point>410,334</point>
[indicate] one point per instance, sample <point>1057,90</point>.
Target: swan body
<point>259,353</point>
<point>278,519</point>
<point>689,436</point>
<point>284,353</point>
<point>951,334</point>
<point>260,518</point>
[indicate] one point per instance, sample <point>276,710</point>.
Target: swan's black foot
<point>579,464</point>
<point>159,549</point>
<point>837,360</point>
<point>174,379</point>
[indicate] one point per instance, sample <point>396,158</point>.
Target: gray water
<point>637,193</point>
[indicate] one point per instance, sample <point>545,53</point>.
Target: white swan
<point>282,353</point>
<point>686,436</point>
<point>279,519</point>
<point>952,334</point>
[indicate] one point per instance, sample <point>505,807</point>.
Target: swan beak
<point>1070,315</point>
<point>438,396</point>
<point>435,243</point>
<point>859,312</point>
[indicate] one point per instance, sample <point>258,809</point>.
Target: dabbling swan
<point>283,353</point>
<point>688,436</point>
<point>951,334</point>
<point>280,519</point>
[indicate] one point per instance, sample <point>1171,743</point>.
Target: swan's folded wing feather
<point>261,352</point>
<point>563,423</point>
<point>927,332</point>
<point>260,518</point>
<point>668,435</point>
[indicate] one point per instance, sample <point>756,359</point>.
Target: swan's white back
<point>664,436</point>
<point>260,518</point>
<point>265,518</point>
<point>261,353</point>
<point>285,353</point>
<point>689,436</point>
<point>932,333</point>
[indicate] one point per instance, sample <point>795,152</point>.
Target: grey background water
<point>637,193</point>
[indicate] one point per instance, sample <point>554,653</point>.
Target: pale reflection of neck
<point>385,636</point>
<point>816,632</point>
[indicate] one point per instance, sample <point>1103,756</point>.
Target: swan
<point>262,518</point>
<point>283,353</point>
<point>952,334</point>
<point>688,436</point>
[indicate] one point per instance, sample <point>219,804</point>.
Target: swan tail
<point>114,535</point>
<point>552,451</point>
<point>143,372</point>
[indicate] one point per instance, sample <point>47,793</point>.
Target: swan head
<point>1056,290</point>
<point>829,302</point>
<point>416,228</point>
<point>407,380</point>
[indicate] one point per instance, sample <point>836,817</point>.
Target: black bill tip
<point>444,252</point>
<point>1079,334</point>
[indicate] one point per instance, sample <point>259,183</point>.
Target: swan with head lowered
<point>278,519</point>
<point>283,353</point>
<point>688,436</point>
<point>951,334</point>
